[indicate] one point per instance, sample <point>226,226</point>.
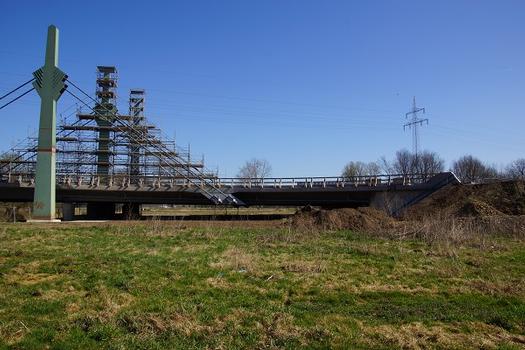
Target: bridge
<point>101,194</point>
<point>99,156</point>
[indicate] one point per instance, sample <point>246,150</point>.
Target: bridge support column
<point>101,211</point>
<point>68,211</point>
<point>131,211</point>
<point>49,83</point>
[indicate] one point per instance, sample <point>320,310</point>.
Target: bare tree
<point>386,166</point>
<point>403,163</point>
<point>428,163</point>
<point>356,168</point>
<point>406,163</point>
<point>373,168</point>
<point>255,169</point>
<point>470,169</point>
<point>7,161</point>
<point>516,169</point>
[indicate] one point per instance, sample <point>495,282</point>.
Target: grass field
<point>153,285</point>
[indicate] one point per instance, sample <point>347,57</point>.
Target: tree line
<point>467,168</point>
<point>405,163</point>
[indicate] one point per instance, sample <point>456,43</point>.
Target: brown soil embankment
<point>460,210</point>
<point>494,199</point>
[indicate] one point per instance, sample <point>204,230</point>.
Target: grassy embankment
<point>172,285</point>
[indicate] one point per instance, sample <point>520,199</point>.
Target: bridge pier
<point>131,211</point>
<point>68,211</point>
<point>101,211</point>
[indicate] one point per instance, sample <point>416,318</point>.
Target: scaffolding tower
<point>105,143</point>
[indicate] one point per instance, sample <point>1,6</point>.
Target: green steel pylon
<point>49,83</point>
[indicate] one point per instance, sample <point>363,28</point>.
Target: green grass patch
<point>156,286</point>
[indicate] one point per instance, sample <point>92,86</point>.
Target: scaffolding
<point>105,143</point>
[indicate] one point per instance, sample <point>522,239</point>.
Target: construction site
<point>318,207</point>
<point>99,162</point>
<point>102,147</point>
<point>111,164</point>
<point>109,145</point>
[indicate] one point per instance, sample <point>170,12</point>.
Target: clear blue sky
<point>307,85</point>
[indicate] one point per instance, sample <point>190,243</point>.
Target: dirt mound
<point>494,199</point>
<point>364,219</point>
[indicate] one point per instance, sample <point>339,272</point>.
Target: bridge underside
<point>285,197</point>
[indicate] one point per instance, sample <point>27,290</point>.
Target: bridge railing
<point>165,182</point>
<point>324,181</point>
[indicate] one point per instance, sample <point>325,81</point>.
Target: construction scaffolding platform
<point>104,142</point>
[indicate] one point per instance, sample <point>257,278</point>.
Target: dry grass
<point>237,260</point>
<point>447,234</point>
<point>304,266</point>
<point>417,336</point>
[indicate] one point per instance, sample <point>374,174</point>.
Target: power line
<point>414,123</point>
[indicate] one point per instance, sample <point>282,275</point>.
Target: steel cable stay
<point>17,88</point>
<point>16,98</point>
<point>166,152</point>
<point>17,161</point>
<point>189,174</point>
<point>125,128</point>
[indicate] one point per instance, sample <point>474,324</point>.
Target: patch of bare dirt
<point>364,219</point>
<point>494,199</point>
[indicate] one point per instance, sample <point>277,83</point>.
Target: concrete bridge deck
<point>384,191</point>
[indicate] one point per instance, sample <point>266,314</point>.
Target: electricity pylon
<point>414,123</point>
